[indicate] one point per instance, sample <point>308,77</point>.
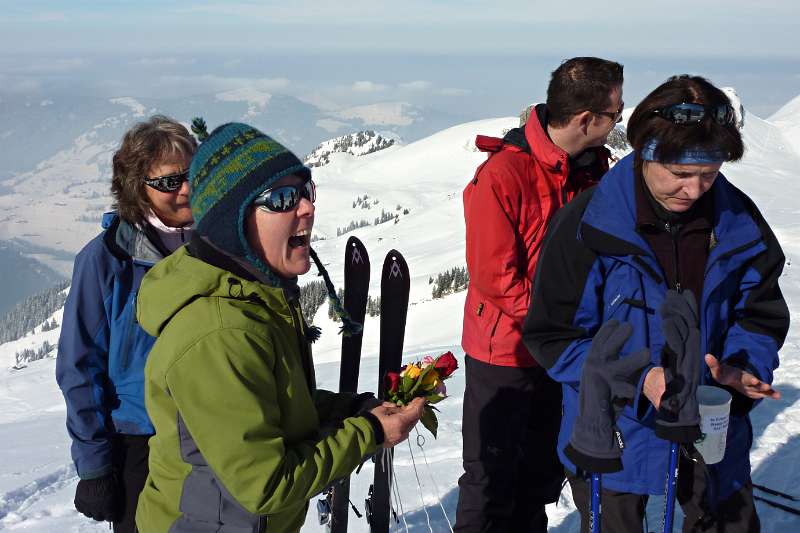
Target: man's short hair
<point>581,84</point>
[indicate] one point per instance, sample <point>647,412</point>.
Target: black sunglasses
<point>615,116</point>
<point>689,114</point>
<point>286,197</point>
<point>168,183</point>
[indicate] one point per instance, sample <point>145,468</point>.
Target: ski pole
<point>777,505</point>
<point>776,492</point>
<point>670,490</point>
<point>594,513</point>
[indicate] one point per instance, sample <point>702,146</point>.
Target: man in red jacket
<point>512,409</point>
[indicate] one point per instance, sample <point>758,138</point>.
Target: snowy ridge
<point>357,144</point>
<point>426,178</point>
<point>787,119</point>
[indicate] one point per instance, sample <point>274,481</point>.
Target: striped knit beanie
<point>232,166</point>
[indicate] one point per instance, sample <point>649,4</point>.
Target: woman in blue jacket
<point>665,219</point>
<point>102,350</point>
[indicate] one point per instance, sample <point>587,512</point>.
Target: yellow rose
<point>412,371</point>
<point>431,380</point>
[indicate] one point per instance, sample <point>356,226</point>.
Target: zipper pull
<point>480,308</point>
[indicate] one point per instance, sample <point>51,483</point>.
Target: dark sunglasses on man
<point>286,197</point>
<point>616,116</point>
<point>689,114</point>
<point>168,183</point>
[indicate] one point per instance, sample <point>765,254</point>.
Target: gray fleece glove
<point>678,418</point>
<point>608,381</point>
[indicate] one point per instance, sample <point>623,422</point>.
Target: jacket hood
<point>178,280</point>
<point>128,240</point>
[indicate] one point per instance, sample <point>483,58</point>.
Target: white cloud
<point>454,91</point>
<point>416,85</point>
<point>162,61</point>
<point>367,87</point>
<point>330,125</point>
<point>51,66</point>
<point>19,85</point>
<point>256,100</point>
<point>213,83</point>
<point>381,114</point>
<point>50,16</point>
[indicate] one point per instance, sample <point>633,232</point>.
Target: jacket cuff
<point>365,402</point>
<point>377,429</point>
<point>591,464</point>
<point>96,473</point>
<point>680,434</point>
<point>642,407</point>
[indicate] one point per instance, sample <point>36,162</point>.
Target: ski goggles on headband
<point>690,114</point>
<point>286,197</point>
<point>168,183</point>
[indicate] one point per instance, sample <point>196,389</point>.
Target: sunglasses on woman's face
<point>689,114</point>
<point>286,197</point>
<point>168,183</point>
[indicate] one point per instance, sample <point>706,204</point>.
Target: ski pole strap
<point>670,490</point>
<point>594,512</point>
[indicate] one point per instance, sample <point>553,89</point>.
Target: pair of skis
<point>395,286</point>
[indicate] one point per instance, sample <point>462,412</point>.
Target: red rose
<point>392,381</point>
<point>445,365</point>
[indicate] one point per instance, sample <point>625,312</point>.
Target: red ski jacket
<point>507,207</point>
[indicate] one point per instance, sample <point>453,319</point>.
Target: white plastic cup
<point>715,407</point>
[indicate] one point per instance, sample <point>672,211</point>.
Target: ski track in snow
<point>13,504</point>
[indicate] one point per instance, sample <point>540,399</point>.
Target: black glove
<point>678,418</point>
<point>607,382</point>
<point>98,498</point>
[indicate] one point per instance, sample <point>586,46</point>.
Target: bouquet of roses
<point>425,379</point>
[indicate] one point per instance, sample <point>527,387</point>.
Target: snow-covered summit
<point>787,119</point>
<point>357,144</point>
<point>736,103</point>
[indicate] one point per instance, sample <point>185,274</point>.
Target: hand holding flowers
<point>422,379</point>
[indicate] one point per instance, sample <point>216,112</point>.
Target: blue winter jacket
<point>595,267</point>
<point>102,349</point>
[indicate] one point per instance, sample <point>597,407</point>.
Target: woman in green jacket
<point>229,384</point>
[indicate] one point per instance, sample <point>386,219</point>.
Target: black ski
<point>356,289</point>
<point>395,285</point>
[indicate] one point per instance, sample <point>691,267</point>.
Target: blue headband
<point>687,157</point>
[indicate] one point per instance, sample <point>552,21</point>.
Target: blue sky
<point>482,58</point>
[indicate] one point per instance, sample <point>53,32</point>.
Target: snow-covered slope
<point>787,119</point>
<point>424,178</point>
<point>360,143</point>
